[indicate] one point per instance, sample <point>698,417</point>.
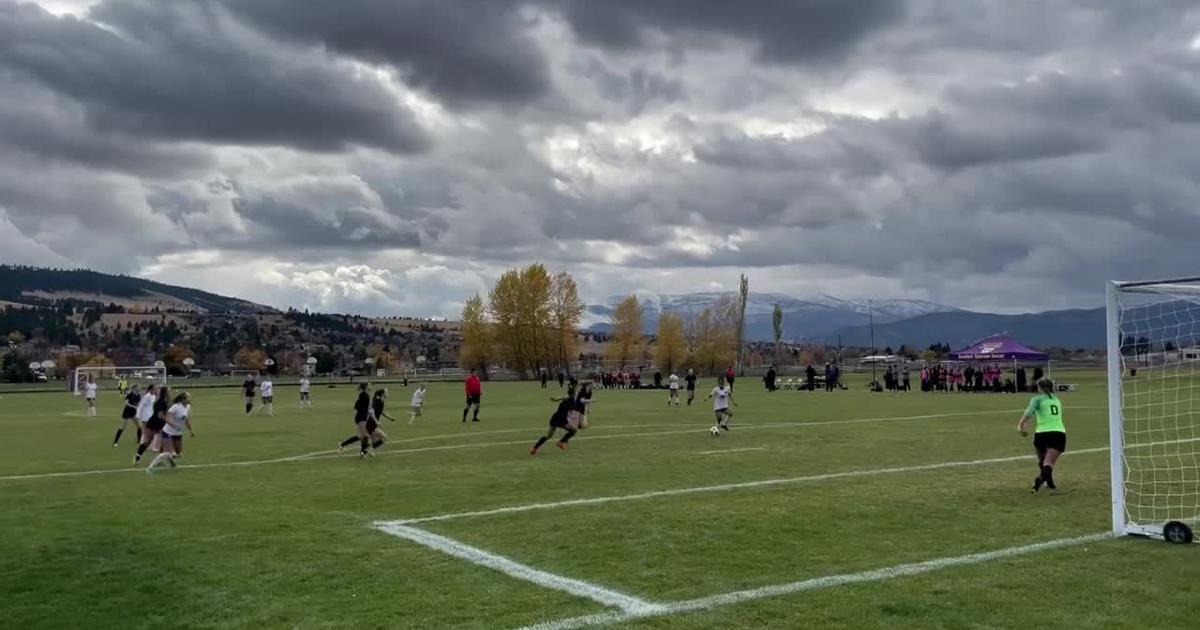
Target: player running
<point>305,393</point>
<point>129,413</point>
<point>673,386</point>
<point>156,422</point>
<point>722,397</point>
<point>418,401</point>
<point>267,390</point>
<point>178,418</point>
<point>362,416</point>
<point>569,416</point>
<point>690,379</point>
<point>248,387</point>
<point>1049,433</point>
<point>474,390</point>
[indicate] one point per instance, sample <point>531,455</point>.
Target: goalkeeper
<point>1049,434</point>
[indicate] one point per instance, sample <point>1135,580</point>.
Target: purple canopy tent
<point>999,348</point>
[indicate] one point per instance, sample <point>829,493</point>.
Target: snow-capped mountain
<point>817,316</point>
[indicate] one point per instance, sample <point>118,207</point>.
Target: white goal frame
<point>156,374</point>
<point>234,374</point>
<point>1122,523</point>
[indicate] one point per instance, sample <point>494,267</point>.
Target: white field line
<point>599,594</point>
<point>733,450</point>
<point>776,590</point>
<point>750,484</point>
<point>451,447</point>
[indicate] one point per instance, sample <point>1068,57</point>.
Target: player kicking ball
<point>722,397</point>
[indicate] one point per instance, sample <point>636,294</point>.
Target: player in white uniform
<point>722,398</point>
<point>418,401</point>
<point>305,393</point>
<point>145,411</point>
<point>267,390</point>
<point>178,418</point>
<point>673,385</point>
<point>89,397</point>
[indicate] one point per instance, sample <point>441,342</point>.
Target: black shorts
<point>473,400</point>
<point>371,426</point>
<point>156,424</point>
<point>558,421</point>
<point>128,414</point>
<point>1056,440</point>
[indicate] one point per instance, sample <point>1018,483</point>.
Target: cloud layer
<point>393,157</point>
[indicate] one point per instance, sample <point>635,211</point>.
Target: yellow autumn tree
<point>477,336</point>
<point>627,332</point>
<point>250,359</point>
<point>566,313</point>
<point>671,350</point>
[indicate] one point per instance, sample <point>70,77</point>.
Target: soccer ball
<point>716,432</point>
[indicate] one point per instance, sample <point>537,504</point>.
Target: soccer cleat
<point>171,461</point>
<point>1037,485</point>
<point>725,426</point>
<point>341,449</point>
<point>562,446</point>
<point>475,420</point>
<point>532,451</point>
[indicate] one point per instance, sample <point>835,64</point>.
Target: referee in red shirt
<point>474,395</point>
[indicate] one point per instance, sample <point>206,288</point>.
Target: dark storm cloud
<point>185,70</point>
<point>784,31</point>
<point>461,51</point>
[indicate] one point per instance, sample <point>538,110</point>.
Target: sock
<point>117,437</point>
<point>567,438</point>
<point>142,449</point>
<point>350,440</point>
<point>365,444</point>
<point>1048,476</point>
<point>376,443</point>
<point>139,433</point>
<point>465,410</point>
<point>542,440</point>
<point>249,407</point>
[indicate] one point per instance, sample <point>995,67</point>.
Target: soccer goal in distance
<point>1154,407</point>
<point>107,376</point>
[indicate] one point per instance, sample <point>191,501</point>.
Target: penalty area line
<point>627,604</point>
<point>829,581</point>
<point>732,450</point>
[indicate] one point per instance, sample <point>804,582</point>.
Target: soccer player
<point>248,387</point>
<point>129,414</point>
<point>418,401</point>
<point>89,397</point>
<point>267,389</point>
<point>154,425</point>
<point>305,393</point>
<point>570,416</point>
<point>673,386</point>
<point>178,418</point>
<point>729,377</point>
<point>722,397</point>
<point>690,380</point>
<point>378,411</point>
<point>474,390</point>
<point>123,386</point>
<point>362,415</point>
<point>1049,434</point>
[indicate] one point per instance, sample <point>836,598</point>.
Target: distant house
<point>1190,354</point>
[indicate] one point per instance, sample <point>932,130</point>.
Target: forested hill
<point>39,286</point>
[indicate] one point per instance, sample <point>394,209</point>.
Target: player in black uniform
<point>363,416</point>
<point>569,416</point>
<point>248,387</point>
<point>378,409</point>
<point>690,379</point>
<point>156,422</point>
<point>129,414</point>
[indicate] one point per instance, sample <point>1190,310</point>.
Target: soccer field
<point>843,510</point>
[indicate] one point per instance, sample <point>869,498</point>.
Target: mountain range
<point>917,323</point>
<point>33,286</point>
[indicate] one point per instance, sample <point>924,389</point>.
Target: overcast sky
<point>393,156</point>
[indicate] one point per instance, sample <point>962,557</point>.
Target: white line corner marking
<point>630,607</point>
<point>627,604</point>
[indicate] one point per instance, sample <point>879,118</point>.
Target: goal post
<point>1153,364</point>
<point>135,374</point>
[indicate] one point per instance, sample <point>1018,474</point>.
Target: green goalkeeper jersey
<point>1049,412</point>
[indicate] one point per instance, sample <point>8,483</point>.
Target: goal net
<point>240,375</point>
<point>109,376</point>
<point>1154,404</point>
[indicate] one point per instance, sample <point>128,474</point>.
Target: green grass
<point>289,544</point>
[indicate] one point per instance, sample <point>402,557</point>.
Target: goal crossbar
<point>152,373</point>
